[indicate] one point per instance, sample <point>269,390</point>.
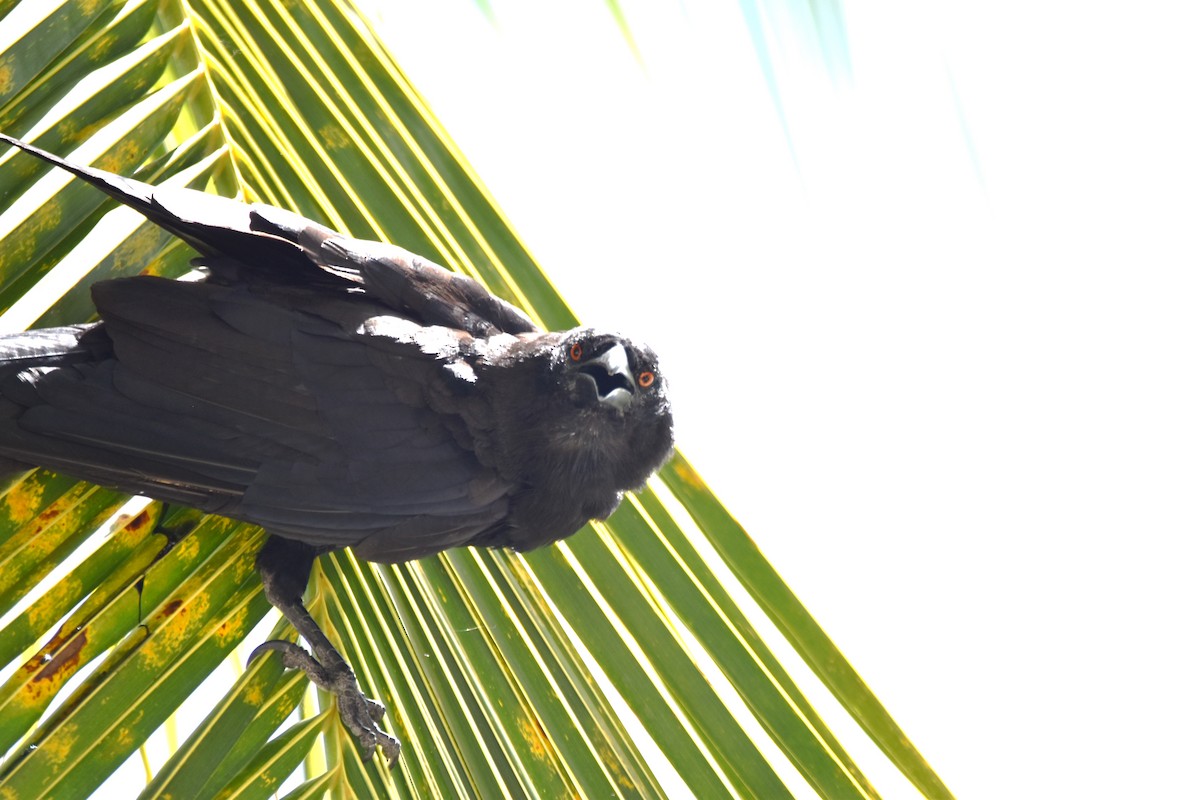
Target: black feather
<point>339,392</point>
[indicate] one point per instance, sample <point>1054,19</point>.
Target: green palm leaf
<point>487,661</point>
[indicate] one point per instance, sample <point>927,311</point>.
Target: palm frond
<point>487,661</point>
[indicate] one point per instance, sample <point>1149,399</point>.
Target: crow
<point>338,392</point>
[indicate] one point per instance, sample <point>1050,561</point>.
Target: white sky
<point>972,361</point>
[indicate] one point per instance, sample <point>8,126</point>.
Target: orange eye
<point>645,379</point>
<point>576,351</point>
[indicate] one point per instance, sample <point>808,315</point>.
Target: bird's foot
<point>360,714</point>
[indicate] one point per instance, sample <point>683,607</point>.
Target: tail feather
<point>241,243</point>
<point>52,347</point>
<point>211,224</point>
<point>132,193</point>
<point>26,354</point>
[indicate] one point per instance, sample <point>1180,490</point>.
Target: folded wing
<point>242,402</point>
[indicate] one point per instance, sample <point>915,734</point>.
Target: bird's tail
<point>217,227</point>
<point>51,347</point>
<point>129,191</point>
<point>26,356</point>
<point>197,218</point>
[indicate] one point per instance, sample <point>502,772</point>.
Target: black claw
<point>278,645</point>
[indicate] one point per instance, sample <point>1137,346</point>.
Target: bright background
<point>930,313</point>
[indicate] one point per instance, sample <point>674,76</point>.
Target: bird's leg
<point>284,566</point>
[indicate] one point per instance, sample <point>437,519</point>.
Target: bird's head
<point>609,372</point>
<point>583,411</point>
<point>617,386</point>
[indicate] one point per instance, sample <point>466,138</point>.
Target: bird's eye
<point>646,379</point>
<point>576,351</point>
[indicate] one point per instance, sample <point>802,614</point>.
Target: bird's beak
<point>613,379</point>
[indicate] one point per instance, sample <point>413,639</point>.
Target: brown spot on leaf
<point>232,627</point>
<point>535,737</point>
<point>143,518</point>
<point>68,656</point>
<point>50,677</point>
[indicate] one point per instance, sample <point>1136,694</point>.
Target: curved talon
<point>260,651</point>
<point>278,645</point>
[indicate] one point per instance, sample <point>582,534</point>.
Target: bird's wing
<point>401,280</point>
<point>234,401</point>
<point>261,242</point>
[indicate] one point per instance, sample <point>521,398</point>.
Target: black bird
<point>340,393</point>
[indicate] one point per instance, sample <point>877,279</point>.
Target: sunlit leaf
<point>476,654</point>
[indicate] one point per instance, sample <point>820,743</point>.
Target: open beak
<point>612,377</point>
